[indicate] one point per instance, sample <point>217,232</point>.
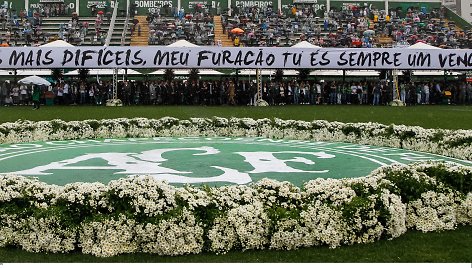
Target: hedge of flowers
<point>453,143</point>
<point>142,214</point>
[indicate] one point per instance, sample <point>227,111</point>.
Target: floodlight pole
<point>396,99</point>
<point>114,101</point>
<point>259,101</point>
<point>259,85</point>
<point>395,84</point>
<point>115,84</point>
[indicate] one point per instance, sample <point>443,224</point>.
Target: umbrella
<point>237,31</point>
<point>34,80</point>
<point>356,42</point>
<point>369,32</point>
<point>100,12</point>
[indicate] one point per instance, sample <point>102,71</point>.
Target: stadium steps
<point>219,35</point>
<point>385,41</point>
<point>456,28</point>
<point>51,25</point>
<point>143,39</point>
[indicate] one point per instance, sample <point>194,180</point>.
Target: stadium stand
<point>196,27</point>
<point>38,28</point>
<point>356,26</point>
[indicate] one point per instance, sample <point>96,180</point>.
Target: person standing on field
<point>231,93</point>
<point>36,97</point>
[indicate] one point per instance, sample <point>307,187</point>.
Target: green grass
<point>448,117</point>
<point>449,246</point>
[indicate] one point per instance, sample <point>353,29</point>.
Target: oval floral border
<point>141,214</point>
<point>452,143</point>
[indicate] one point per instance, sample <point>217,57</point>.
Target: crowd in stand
<point>75,31</point>
<point>233,92</point>
<point>195,27</point>
<point>356,26</point>
<point>21,26</point>
<point>24,28</point>
<point>52,10</point>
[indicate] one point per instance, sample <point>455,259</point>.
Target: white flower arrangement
<point>141,214</point>
<point>114,102</point>
<point>397,103</point>
<point>138,214</point>
<point>261,102</point>
<point>453,143</point>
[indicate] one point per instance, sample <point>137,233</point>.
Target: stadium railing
<point>125,29</point>
<point>460,21</point>
<point>112,24</point>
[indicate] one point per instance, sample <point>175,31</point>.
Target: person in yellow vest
<point>376,18</point>
<point>236,41</point>
<point>387,18</point>
<point>294,11</point>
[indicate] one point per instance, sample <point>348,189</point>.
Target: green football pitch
<point>449,117</point>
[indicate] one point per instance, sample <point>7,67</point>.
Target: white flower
<point>245,227</point>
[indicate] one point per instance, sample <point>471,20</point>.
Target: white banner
<point>234,58</point>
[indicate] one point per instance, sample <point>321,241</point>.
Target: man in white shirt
<point>15,92</point>
<point>318,93</point>
<point>60,94</point>
<point>426,93</point>
<point>152,93</point>
<point>65,93</point>
<point>23,95</point>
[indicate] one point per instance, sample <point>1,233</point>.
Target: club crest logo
<point>199,160</point>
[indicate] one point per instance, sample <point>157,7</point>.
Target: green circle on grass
<point>212,161</point>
